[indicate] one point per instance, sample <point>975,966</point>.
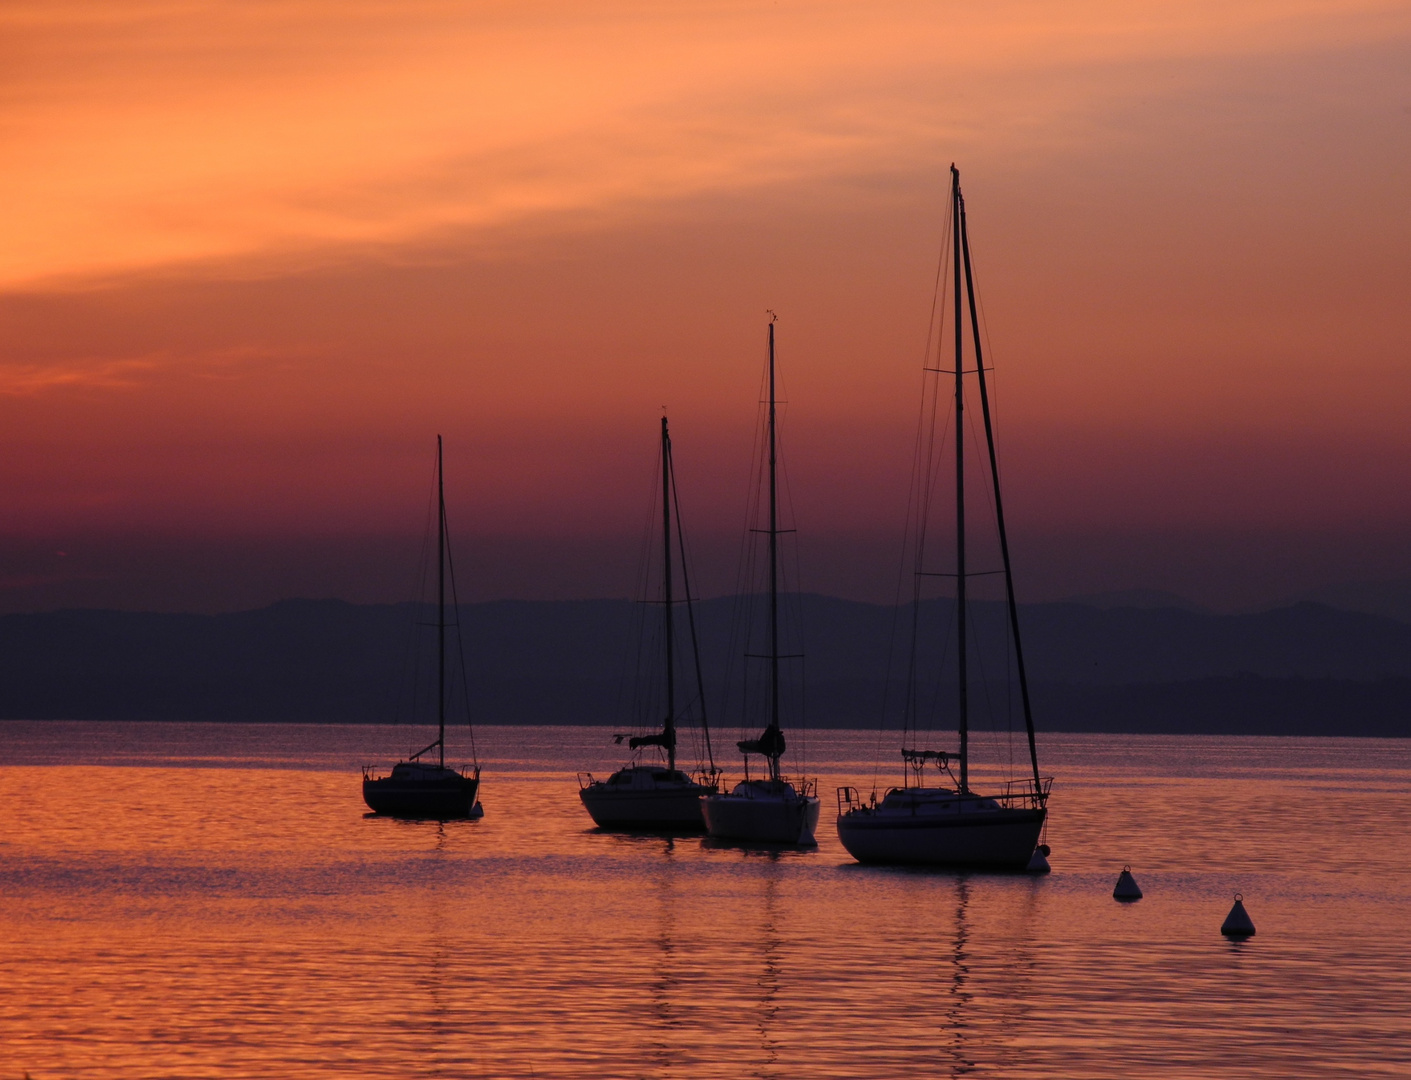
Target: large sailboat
<point>417,787</point>
<point>656,796</point>
<point>769,809</point>
<point>950,823</point>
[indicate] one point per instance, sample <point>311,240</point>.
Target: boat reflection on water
<point>437,1014</point>
<point>771,948</point>
<point>957,1019</point>
<point>667,992</point>
<point>948,1008</point>
<point>985,1008</point>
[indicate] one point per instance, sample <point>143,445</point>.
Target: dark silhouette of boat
<point>770,809</point>
<point>417,788</point>
<point>951,824</point>
<point>646,796</point>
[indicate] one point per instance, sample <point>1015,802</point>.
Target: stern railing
<point>848,800</point>
<point>1024,794</point>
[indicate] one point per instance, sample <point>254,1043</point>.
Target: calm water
<point>209,900</point>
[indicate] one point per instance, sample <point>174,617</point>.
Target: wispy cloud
<point>140,135</point>
<point>22,380</point>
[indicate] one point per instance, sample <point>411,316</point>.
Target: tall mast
<point>773,567</point>
<point>999,506</point>
<point>440,604</point>
<point>669,728</point>
<point>964,702</point>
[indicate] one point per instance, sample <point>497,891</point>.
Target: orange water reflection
<point>251,921</point>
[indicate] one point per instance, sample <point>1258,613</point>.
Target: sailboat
<point>417,787</point>
<point>768,809</point>
<point>645,796</point>
<point>949,823</point>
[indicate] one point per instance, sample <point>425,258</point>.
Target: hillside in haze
<point>1389,598</point>
<point>1303,669</point>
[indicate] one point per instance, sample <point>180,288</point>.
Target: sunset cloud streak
<point>145,136</point>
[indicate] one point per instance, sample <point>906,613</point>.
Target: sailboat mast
<point>669,728</point>
<point>440,604</point>
<point>999,505</point>
<point>964,692</point>
<point>773,567</point>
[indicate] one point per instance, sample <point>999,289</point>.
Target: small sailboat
<point>646,796</point>
<point>419,788</point>
<point>769,809</point>
<point>950,824</point>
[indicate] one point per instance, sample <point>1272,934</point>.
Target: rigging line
<point>792,597</point>
<point>689,598</point>
<point>931,472</point>
<point>1009,701</point>
<point>691,614</point>
<point>962,668</point>
<point>741,605</point>
<point>895,619</point>
<point>697,702</point>
<point>935,459</point>
<point>668,611</point>
<point>989,347</point>
<point>773,758</point>
<point>912,523</point>
<point>440,604</point>
<point>974,432</point>
<point>977,459</point>
<point>939,673</point>
<point>648,640</point>
<point>412,662</point>
<point>925,465</point>
<point>979,661</point>
<point>630,695</point>
<point>737,671</point>
<point>999,505</point>
<point>942,278</point>
<point>794,600</point>
<point>460,640</point>
<point>755,695</point>
<point>649,644</point>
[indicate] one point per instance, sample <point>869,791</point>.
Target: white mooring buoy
<point>1126,886</point>
<point>1237,923</point>
<point>1039,863</point>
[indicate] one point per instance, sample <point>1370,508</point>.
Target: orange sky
<point>255,255</point>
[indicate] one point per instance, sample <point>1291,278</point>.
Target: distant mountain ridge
<point>1391,599</point>
<point>1306,668</point>
<point>1134,598</point>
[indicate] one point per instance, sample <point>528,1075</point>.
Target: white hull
<point>761,812</point>
<point>1000,839</point>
